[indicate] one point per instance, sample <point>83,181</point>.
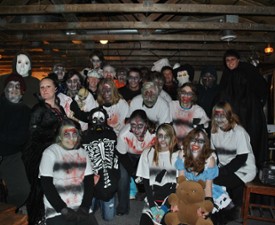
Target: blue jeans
<point>123,191</point>
<point>107,208</point>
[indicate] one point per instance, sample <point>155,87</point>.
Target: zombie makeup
<point>182,77</point>
<point>196,145</point>
<point>134,81</point>
<point>96,62</point>
<point>208,80</point>
<point>186,97</point>
<point>109,72</point>
<point>23,65</point>
<point>60,71</point>
<point>122,77</point>
<point>159,83</point>
<point>138,128</point>
<point>73,83</point>
<point>163,139</point>
<point>107,93</point>
<point>150,96</point>
<point>13,92</point>
<point>220,118</point>
<point>69,137</point>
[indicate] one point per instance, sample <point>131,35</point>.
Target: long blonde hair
<point>169,130</point>
<point>115,94</point>
<point>232,118</point>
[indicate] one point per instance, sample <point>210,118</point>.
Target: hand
<point>202,213</point>
<point>82,213</point>
<point>96,178</point>
<point>69,214</point>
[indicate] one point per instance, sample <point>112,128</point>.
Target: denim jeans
<point>107,208</point>
<point>123,194</point>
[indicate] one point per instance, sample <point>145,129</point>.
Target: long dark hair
<point>191,164</point>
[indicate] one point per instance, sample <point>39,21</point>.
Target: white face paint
<point>164,140</point>
<point>182,77</point>
<point>23,65</point>
<point>96,62</point>
<point>13,92</point>
<point>196,145</point>
<point>69,137</point>
<point>220,118</point>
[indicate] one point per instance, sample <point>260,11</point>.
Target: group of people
<point>74,141</point>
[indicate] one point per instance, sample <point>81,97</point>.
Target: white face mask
<point>182,77</point>
<point>23,65</point>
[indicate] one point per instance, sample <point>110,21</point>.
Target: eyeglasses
<point>197,140</point>
<point>187,94</point>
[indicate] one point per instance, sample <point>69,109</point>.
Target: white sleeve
<point>164,113</point>
<point>122,146</point>
<point>143,169</point>
<point>243,142</point>
<point>46,164</point>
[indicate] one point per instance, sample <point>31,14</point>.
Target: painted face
<point>138,128</point>
<point>186,95</point>
<point>23,65</point>
<point>47,89</point>
<point>150,96</point>
<point>95,61</point>
<point>164,139</point>
<point>208,80</point>
<point>232,62</point>
<point>93,81</point>
<point>220,118</point>
<point>73,83</point>
<point>134,80</point>
<point>159,83</point>
<point>109,72</point>
<point>60,71</point>
<point>107,93</point>
<point>69,137</point>
<point>168,76</point>
<point>13,91</point>
<point>122,76</point>
<point>182,77</point>
<point>196,145</point>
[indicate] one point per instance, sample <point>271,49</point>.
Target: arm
<point>234,164</point>
<point>208,185</point>
<point>126,162</point>
<point>52,194</point>
<point>149,192</point>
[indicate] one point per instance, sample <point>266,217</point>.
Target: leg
<point>108,209</point>
<point>145,220</point>
<point>123,192</point>
<point>13,172</point>
<point>59,220</point>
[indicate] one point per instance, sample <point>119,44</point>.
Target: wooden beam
<point>138,8</point>
<point>136,25</point>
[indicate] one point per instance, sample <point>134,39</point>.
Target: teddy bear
<point>189,200</point>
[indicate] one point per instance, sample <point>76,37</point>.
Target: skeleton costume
<point>99,141</point>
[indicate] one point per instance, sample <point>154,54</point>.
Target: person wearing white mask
<point>184,74</point>
<point>22,65</point>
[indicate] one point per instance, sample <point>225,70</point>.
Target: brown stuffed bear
<point>189,197</point>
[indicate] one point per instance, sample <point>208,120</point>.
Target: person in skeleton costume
<point>14,130</point>
<point>99,141</point>
<point>22,65</point>
<point>184,74</point>
<point>67,179</point>
<point>185,113</point>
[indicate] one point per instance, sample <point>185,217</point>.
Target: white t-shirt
<point>68,169</point>
<point>147,170</point>
<point>165,96</point>
<point>232,143</point>
<point>117,115</point>
<point>159,113</point>
<point>127,141</point>
<point>183,118</point>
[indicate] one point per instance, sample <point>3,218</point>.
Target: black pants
<point>59,220</point>
<point>234,186</point>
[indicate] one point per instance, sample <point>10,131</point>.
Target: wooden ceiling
<point>139,32</point>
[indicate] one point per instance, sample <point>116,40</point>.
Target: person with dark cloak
<point>246,90</point>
